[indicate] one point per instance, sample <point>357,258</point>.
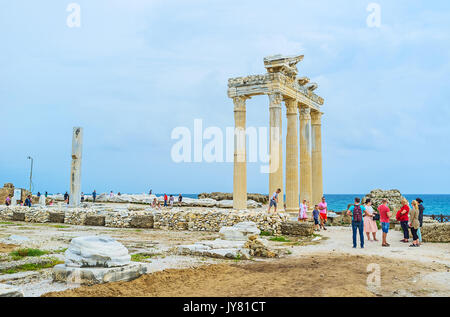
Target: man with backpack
<point>357,211</point>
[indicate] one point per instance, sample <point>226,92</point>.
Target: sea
<point>434,204</point>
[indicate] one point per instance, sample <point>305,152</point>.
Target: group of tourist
<point>364,220</point>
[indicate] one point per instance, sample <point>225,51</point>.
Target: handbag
<point>376,217</point>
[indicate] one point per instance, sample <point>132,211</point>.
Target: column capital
<point>239,103</point>
<point>291,106</point>
<point>316,117</point>
<point>305,113</point>
<point>275,99</point>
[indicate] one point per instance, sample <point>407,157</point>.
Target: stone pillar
<point>292,192</point>
<point>75,173</point>
<point>305,156</point>
<point>240,161</point>
<point>276,148</point>
<point>317,177</point>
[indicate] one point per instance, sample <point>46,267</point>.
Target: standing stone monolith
<point>75,173</point>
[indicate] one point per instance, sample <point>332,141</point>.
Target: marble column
<point>240,161</point>
<point>292,190</point>
<point>305,156</point>
<point>75,173</point>
<point>317,177</point>
<point>276,148</point>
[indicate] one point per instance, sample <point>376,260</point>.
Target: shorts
<point>273,203</point>
<point>323,217</point>
<point>385,227</point>
<point>316,221</point>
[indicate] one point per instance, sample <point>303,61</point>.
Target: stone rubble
<point>10,291</point>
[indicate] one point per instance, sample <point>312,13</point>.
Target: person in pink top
<point>323,213</point>
<point>302,216</point>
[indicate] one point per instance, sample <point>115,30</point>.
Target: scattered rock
<point>10,291</point>
<point>295,228</point>
<point>439,232</point>
<point>240,231</point>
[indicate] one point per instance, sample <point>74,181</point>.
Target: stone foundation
<point>439,232</point>
<point>174,219</point>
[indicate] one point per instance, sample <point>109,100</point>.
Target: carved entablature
<point>282,76</point>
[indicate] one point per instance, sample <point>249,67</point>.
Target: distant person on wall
<point>357,211</point>
<point>421,209</point>
<point>323,213</point>
<point>8,201</point>
<point>155,204</point>
<point>316,218</point>
<point>402,216</point>
<point>46,194</point>
<point>302,212</point>
<point>82,197</point>
<point>150,192</point>
<point>66,198</point>
<point>94,195</point>
<point>39,194</point>
<point>171,200</point>
<point>414,223</point>
<point>274,201</point>
<point>180,199</point>
<point>111,194</point>
<point>370,225</point>
<point>385,216</point>
<point>28,201</point>
<point>165,200</point>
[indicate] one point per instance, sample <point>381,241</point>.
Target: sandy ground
<point>328,267</point>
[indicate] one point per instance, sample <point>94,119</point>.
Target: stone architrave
<point>276,148</point>
<point>317,179</point>
<point>305,155</point>
<point>292,163</point>
<point>75,173</point>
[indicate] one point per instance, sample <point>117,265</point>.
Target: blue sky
<point>136,69</point>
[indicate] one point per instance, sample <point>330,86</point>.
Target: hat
<point>419,200</point>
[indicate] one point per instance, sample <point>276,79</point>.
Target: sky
<point>135,70</point>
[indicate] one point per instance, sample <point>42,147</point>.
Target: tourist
<point>370,226</point>
<point>385,216</point>
<point>316,218</point>
<point>39,194</point>
<point>8,201</point>
<point>66,198</point>
<point>402,216</point>
<point>414,223</point>
<point>357,212</point>
<point>118,194</point>
<point>51,202</point>
<point>28,201</point>
<point>155,204</point>
<point>46,194</point>
<point>274,201</point>
<point>111,194</point>
<point>171,200</point>
<point>165,200</point>
<point>180,199</point>
<point>323,213</point>
<point>421,209</point>
<point>82,197</point>
<point>94,195</point>
<point>150,192</point>
<point>302,212</point>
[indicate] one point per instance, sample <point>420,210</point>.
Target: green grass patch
<point>21,253</point>
<point>6,223</point>
<point>265,234</point>
<point>140,257</point>
<point>60,226</point>
<point>32,266</point>
<point>59,250</point>
<point>279,239</point>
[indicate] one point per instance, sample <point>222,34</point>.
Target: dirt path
<point>323,275</point>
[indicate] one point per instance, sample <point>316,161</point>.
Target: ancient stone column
<point>240,161</point>
<point>276,148</point>
<point>292,192</point>
<point>75,173</point>
<point>305,156</point>
<point>317,177</point>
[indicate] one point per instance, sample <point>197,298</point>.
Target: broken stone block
<point>18,216</point>
<point>142,221</point>
<point>294,228</point>
<point>240,231</point>
<point>94,220</point>
<point>56,217</point>
<point>96,251</point>
<point>10,291</point>
<point>97,275</point>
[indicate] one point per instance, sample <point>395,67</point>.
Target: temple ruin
<point>281,84</point>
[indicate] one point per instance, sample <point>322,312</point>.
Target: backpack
<point>357,213</point>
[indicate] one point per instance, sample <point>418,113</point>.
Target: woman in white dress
<point>370,225</point>
<point>302,216</point>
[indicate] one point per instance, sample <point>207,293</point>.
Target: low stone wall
<point>175,219</point>
<point>439,232</point>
